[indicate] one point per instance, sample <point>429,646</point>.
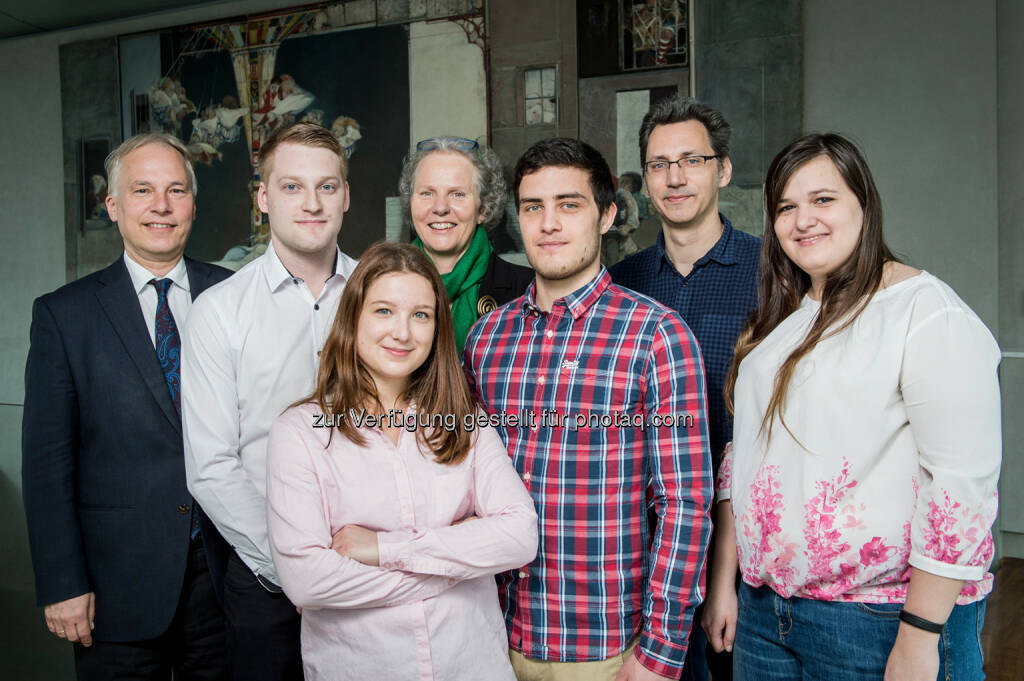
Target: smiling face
<point>561,228</point>
<point>685,198</point>
<point>305,197</point>
<point>395,331</point>
<point>818,220</point>
<point>153,206</point>
<point>445,206</point>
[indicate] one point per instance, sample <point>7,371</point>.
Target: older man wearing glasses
<point>702,268</point>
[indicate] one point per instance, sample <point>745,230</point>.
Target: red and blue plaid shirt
<point>592,383</point>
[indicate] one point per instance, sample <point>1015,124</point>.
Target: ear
<point>482,218</point>
<point>261,197</point>
<point>111,204</point>
<point>608,217</point>
<point>725,173</point>
<point>348,197</point>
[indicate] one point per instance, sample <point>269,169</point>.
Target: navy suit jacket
<point>103,469</point>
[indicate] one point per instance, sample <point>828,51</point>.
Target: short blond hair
<point>308,135</point>
<point>113,162</point>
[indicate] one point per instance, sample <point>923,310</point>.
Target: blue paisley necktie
<point>168,342</point>
<point>168,351</point>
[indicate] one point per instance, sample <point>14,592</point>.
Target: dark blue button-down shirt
<point>714,300</point>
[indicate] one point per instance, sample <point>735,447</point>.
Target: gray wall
<point>1010,56</point>
<point>748,66</point>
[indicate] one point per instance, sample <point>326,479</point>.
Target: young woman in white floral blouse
<point>861,484</point>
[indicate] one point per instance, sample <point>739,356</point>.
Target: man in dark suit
<point>119,559</point>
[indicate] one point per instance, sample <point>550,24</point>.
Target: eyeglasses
<point>685,163</point>
<point>460,143</point>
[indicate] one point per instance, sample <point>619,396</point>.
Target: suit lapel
<point>201,277</point>
<point>119,301</point>
<point>198,277</point>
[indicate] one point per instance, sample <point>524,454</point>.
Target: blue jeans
<point>799,639</point>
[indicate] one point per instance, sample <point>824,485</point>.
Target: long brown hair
<point>437,386</point>
<point>783,285</point>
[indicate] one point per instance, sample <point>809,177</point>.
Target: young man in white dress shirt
<point>251,349</point>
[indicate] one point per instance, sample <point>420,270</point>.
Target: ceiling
<point>26,17</point>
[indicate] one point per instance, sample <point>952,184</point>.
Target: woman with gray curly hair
<point>452,190</point>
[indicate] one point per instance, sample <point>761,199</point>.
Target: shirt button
<point>549,334</point>
<point>541,380</point>
<point>316,307</point>
<point>522,574</point>
<point>526,475</point>
<point>183,509</point>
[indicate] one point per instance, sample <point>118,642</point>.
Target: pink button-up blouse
<point>430,611</point>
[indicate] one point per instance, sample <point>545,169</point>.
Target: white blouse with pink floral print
<point>889,457</point>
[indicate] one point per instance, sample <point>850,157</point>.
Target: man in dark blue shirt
<point>700,266</point>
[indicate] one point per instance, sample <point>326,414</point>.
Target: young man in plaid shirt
<point>601,395</point>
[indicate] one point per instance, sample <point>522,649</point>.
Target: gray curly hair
<point>490,182</point>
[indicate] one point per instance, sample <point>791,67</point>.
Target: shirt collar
<point>724,252</point>
<point>577,302</point>
<point>141,276</point>
<point>277,274</point>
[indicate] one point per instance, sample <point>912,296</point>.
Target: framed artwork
<point>231,85</point>
<point>655,33</point>
<point>93,183</point>
<point>624,36</point>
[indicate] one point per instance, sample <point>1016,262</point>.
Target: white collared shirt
<point>179,296</point>
<point>249,351</point>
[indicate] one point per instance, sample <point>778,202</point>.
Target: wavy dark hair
<point>847,290</point>
<point>437,386</point>
<point>566,152</point>
<point>678,109</point>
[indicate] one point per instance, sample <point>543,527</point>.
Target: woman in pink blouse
<point>858,496</point>
<point>389,509</point>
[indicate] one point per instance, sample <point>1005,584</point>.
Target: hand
<point>632,670</point>
<point>72,619</point>
<point>357,543</point>
<point>719,619</point>
<point>914,656</point>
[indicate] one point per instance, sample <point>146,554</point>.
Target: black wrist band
<point>921,623</point>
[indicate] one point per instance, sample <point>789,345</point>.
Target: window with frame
<point>540,96</point>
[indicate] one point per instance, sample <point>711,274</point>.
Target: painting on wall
<point>625,36</point>
<point>94,183</point>
<point>228,86</point>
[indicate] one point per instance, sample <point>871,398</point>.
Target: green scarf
<point>463,283</point>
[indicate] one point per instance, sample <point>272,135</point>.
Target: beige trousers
<point>529,669</point>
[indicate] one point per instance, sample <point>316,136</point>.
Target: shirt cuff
<point>393,548</point>
<point>968,573</point>
<point>661,657</point>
